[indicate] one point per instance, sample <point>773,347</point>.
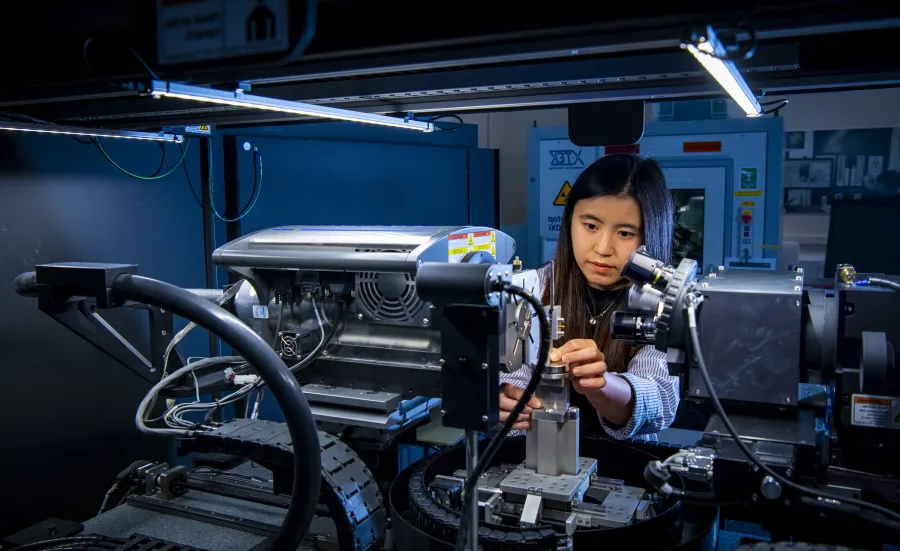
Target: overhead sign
<point>197,30</point>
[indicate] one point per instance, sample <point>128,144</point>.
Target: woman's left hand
<point>586,362</point>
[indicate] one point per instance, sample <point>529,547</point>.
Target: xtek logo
<point>565,157</point>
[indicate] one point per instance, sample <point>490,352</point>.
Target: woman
<point>618,203</point>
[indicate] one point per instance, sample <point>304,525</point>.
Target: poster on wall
<point>837,165</point>
<point>560,165</point>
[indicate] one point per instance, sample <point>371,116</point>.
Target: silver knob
<point>770,488</point>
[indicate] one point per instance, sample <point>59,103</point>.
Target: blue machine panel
<point>62,201</point>
<point>331,182</point>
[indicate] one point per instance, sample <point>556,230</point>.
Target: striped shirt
<point>656,395</point>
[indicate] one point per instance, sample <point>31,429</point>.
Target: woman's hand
<point>509,396</point>
<point>588,368</point>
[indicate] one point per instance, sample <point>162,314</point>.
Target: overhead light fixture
<point>710,52</point>
<point>94,132</point>
<point>237,98</point>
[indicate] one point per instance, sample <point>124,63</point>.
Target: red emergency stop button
<point>745,218</point>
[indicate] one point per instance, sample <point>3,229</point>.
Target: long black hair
<point>621,176</point>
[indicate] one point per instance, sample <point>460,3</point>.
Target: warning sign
<point>458,246</point>
<point>876,411</point>
<point>484,241</point>
<point>563,195</point>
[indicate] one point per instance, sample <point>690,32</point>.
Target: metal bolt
<point>754,497</point>
<point>756,468</point>
<point>425,321</point>
<point>484,418</point>
<point>419,263</point>
<point>443,412</point>
<point>484,366</point>
<point>788,399</point>
<point>796,303</point>
<point>697,391</point>
<point>721,268</point>
<point>442,361</point>
<point>162,310</point>
<point>163,332</point>
<point>359,317</point>
<point>789,473</point>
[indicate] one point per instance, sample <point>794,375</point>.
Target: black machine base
<point>418,524</point>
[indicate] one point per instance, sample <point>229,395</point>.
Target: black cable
<point>305,362</point>
<point>883,283</point>
<point>498,438</point>
<point>707,380</point>
<point>257,159</point>
<point>435,120</point>
<point>298,416</point>
<point>257,189</point>
<point>778,106</point>
<point>734,51</point>
<point>278,327</point>
<point>187,176</point>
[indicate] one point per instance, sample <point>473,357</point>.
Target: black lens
<point>643,268</point>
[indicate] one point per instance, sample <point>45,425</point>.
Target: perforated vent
<point>389,296</point>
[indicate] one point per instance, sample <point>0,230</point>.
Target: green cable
<point>187,145</point>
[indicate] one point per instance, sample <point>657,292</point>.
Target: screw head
<point>484,418</point>
<point>443,412</point>
<point>789,472</point>
<point>484,365</point>
<point>163,332</point>
<point>425,321</point>
<point>359,317</point>
<point>162,310</point>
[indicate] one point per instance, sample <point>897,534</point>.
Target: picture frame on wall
<point>808,173</point>
<point>795,140</point>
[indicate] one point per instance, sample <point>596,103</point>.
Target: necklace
<point>593,320</point>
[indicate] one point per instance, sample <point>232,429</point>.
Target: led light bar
<point>709,52</point>
<point>238,98</point>
<point>95,132</point>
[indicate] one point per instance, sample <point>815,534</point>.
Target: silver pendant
<point>593,321</point>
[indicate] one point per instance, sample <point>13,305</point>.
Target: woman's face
<point>605,231</point>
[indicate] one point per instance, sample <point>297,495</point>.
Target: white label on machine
<point>194,30</point>
<point>459,245</point>
<point>876,411</point>
<point>260,312</point>
<point>485,241</point>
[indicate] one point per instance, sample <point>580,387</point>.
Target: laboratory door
<point>698,193</point>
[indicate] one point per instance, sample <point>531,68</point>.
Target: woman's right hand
<point>509,396</point>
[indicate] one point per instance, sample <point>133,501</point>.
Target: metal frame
<point>237,98</point>
<point>727,200</point>
<point>95,132</point>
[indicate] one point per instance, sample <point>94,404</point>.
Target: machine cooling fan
<point>389,297</point>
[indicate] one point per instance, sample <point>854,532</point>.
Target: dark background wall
<point>67,415</point>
